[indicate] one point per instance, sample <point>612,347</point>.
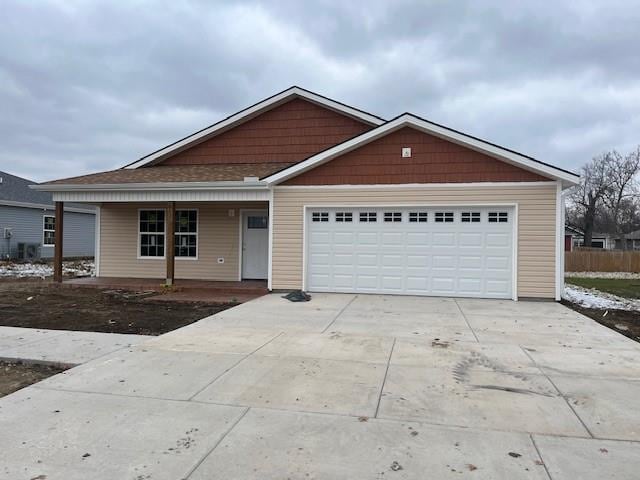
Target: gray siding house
<point>27,223</point>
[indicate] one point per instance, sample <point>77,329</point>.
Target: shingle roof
<point>16,189</point>
<point>178,173</point>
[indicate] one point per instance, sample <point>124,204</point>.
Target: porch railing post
<point>170,252</point>
<point>58,236</point>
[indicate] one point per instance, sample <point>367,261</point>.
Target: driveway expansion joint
<point>339,313</point>
<point>384,380</point>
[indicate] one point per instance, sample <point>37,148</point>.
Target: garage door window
<point>470,217</point>
<point>368,217</point>
<point>392,216</point>
<point>344,217</point>
<point>498,217</point>
<point>320,217</point>
<point>446,217</point>
<point>419,217</point>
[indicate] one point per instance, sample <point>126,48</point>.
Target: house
<point>632,241</point>
<point>309,193</point>
<point>574,238</point>
<point>28,223</point>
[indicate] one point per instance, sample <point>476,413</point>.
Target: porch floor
<point>183,290</point>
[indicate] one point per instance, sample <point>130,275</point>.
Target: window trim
<point>346,216</point>
<point>475,216</point>
<point>48,230</point>
<point>392,216</point>
<point>322,216</point>
<point>197,234</point>
<point>164,234</point>
<point>446,216</point>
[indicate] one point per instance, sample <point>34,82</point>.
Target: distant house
<point>27,223</point>
<point>574,238</point>
<point>632,240</point>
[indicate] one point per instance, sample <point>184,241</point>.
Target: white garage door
<point>446,251</point>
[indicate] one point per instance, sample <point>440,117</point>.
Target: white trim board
<point>251,112</point>
<point>164,196</point>
<point>409,120</point>
<point>41,206</point>
<point>395,186</point>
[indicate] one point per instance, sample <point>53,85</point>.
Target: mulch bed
<point>625,318</point>
<point>39,304</point>
<point>14,376</point>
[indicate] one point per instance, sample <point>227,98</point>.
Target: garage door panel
<point>470,286</point>
<point>419,258</point>
<point>447,239</point>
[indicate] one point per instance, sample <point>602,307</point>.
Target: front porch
<point>194,245</point>
<point>185,290</point>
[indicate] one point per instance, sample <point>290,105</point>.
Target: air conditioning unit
<point>7,232</point>
<point>28,251</point>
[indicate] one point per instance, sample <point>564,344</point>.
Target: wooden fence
<point>602,261</point>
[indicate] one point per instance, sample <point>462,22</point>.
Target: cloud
<point>90,86</point>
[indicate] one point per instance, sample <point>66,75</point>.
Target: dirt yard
<point>626,322</point>
<point>40,304</point>
<point>14,376</point>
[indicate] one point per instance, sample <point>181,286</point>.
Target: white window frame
<point>164,234</point>
<point>176,234</point>
<point>44,223</point>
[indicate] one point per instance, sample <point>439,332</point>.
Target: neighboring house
<point>574,238</point>
<point>309,193</point>
<point>27,223</point>
<point>632,241</point>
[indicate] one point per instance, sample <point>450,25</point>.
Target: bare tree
<point>588,197</point>
<point>619,197</point>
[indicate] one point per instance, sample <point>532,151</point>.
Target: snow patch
<point>623,275</point>
<point>77,268</point>
<point>592,298</point>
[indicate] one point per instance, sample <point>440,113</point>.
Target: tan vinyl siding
<point>218,237</point>
<point>536,224</point>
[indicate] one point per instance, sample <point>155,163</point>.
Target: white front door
<point>255,244</point>
<point>445,251</point>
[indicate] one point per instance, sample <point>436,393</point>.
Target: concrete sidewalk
<point>60,347</point>
<point>343,387</point>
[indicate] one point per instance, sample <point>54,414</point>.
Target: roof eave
<point>152,186</point>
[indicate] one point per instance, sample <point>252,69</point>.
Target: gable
<point>433,160</point>
<point>287,133</point>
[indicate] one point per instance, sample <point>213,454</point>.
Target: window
<point>186,234</point>
<point>49,230</point>
<point>368,216</point>
<point>498,217</point>
<point>257,221</point>
<point>444,217</point>
<point>392,216</point>
<point>470,217</point>
<point>344,217</point>
<point>152,233</point>
<point>420,217</point>
<point>320,217</point>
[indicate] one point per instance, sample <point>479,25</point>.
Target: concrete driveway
<point>343,387</point>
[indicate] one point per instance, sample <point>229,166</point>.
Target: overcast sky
<point>90,86</point>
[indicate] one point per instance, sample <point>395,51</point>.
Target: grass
<point>618,286</point>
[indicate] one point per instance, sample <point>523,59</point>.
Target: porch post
<point>57,250</point>
<point>170,252</point>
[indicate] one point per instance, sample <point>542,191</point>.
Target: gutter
<point>42,206</point>
<point>153,187</point>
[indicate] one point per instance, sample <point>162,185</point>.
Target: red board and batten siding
<point>290,132</point>
<point>432,160</point>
